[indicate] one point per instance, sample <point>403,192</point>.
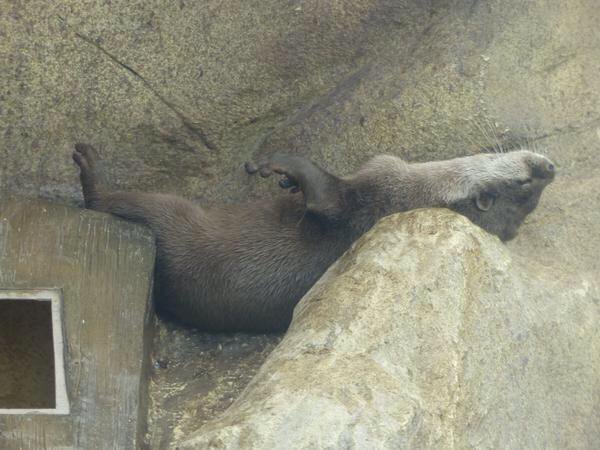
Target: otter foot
<point>295,170</point>
<point>322,191</point>
<point>86,157</point>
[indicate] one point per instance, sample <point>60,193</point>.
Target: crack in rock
<point>190,125</point>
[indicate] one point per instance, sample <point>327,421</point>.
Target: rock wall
<point>179,94</point>
<point>428,333</point>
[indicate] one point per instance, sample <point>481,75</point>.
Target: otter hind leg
<point>88,160</point>
<point>159,211</point>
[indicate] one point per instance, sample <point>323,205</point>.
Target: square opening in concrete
<point>32,374</point>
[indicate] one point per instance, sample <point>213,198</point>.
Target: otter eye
<point>484,201</point>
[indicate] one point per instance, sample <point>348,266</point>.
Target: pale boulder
<point>428,333</point>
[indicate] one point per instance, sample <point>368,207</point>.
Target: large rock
<point>428,333</point>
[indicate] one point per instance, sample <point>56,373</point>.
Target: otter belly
<point>254,295</point>
<point>241,276</point>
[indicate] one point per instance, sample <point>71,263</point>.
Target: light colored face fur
<point>495,190</point>
<point>500,190</point>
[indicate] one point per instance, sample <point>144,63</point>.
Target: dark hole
<point>26,355</point>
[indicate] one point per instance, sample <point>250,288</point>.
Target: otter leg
<point>322,190</point>
<point>90,174</point>
<point>156,210</point>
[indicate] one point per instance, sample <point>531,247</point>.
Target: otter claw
<point>250,168</point>
<point>286,183</point>
<point>265,172</point>
<point>266,168</point>
<point>80,160</point>
<point>86,150</point>
<point>77,158</point>
<point>263,169</point>
<point>81,148</point>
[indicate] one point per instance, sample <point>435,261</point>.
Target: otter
<point>244,267</point>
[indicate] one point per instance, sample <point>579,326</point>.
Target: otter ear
<point>484,201</point>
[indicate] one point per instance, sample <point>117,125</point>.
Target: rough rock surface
<point>179,94</point>
<point>197,376</point>
<point>428,333</point>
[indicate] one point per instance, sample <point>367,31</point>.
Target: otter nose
<point>543,169</point>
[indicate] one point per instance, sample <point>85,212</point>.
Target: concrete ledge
<point>104,267</point>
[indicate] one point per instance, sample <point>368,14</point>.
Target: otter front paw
<point>286,165</point>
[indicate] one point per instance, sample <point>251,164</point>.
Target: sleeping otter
<point>245,266</point>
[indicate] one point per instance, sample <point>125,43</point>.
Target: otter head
<point>503,189</point>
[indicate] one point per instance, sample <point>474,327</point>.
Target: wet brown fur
<point>245,266</point>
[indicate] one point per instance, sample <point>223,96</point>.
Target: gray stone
<point>428,333</point>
